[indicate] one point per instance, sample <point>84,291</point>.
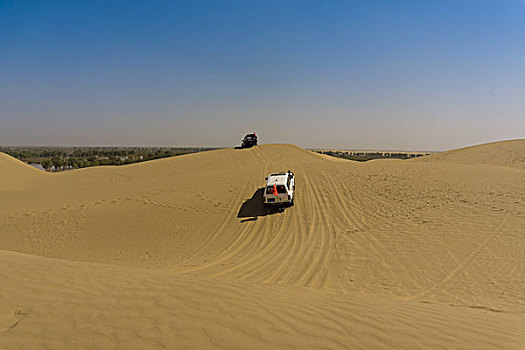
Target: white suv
<point>279,189</point>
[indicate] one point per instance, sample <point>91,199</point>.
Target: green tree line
<point>63,158</point>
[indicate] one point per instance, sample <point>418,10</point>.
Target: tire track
<point>220,228</point>
<point>318,251</point>
<point>262,256</point>
<point>240,243</point>
<point>248,248</point>
<point>465,264</point>
<point>341,204</point>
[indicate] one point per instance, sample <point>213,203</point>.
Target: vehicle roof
<point>277,178</point>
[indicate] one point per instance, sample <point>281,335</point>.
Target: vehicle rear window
<point>280,189</point>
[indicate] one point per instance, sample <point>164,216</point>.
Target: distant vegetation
<point>363,156</point>
<point>65,158</point>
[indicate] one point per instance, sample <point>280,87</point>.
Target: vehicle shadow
<point>254,207</point>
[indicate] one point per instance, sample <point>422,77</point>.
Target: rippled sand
<point>180,253</point>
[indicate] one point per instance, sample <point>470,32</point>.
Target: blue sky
<point>427,75</point>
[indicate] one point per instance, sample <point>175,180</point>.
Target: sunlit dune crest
<point>504,153</point>
<point>181,253</point>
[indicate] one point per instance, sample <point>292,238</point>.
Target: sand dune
<point>505,153</point>
<point>16,174</point>
<point>179,252</point>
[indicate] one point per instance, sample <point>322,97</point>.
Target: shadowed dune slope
<point>180,252</point>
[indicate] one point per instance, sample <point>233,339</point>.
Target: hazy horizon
<point>372,75</point>
<point>231,146</point>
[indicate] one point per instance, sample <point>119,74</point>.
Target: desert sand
<point>180,253</point>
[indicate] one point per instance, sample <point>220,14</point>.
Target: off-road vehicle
<point>280,188</point>
<point>249,140</point>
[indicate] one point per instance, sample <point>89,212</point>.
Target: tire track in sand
<point>225,220</point>
<point>257,258</point>
<point>242,240</point>
<point>319,253</point>
<point>465,264</point>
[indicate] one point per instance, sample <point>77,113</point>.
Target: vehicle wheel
<point>292,202</point>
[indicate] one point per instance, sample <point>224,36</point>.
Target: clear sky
<point>422,75</point>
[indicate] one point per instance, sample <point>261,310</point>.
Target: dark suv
<point>249,140</point>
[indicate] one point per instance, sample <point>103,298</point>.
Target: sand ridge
<point>437,240</point>
<point>504,153</point>
<point>16,174</point>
